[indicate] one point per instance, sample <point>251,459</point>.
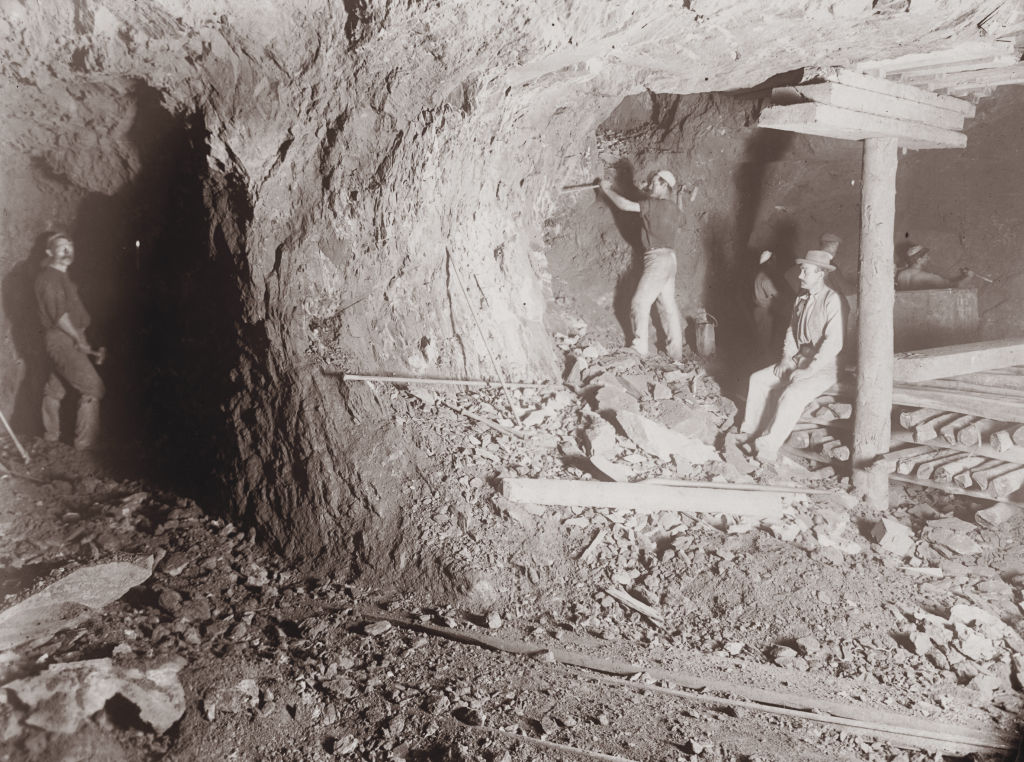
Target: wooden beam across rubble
<point>906,729</point>
<point>739,499</point>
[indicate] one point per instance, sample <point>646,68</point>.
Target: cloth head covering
<point>667,176</point>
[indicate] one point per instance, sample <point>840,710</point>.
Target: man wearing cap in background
<point>809,363</point>
<point>65,319</point>
<point>767,300</point>
<point>660,220</point>
<point>914,277</point>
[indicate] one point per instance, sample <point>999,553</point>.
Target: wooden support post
<point>876,293</point>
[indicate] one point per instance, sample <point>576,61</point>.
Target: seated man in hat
<point>914,277</point>
<point>660,220</point>
<point>809,363</point>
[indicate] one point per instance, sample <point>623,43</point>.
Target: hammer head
<point>100,355</point>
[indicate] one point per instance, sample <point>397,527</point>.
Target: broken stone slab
<point>660,391</point>
<point>893,536</point>
<point>613,471</point>
<point>920,643</point>
<point>977,647</point>
<point>955,542</point>
<point>953,524</point>
<point>996,515</point>
<point>687,419</point>
<point>598,437</point>
<point>70,601</point>
<point>612,399</point>
<point>65,695</point>
<point>662,442</point>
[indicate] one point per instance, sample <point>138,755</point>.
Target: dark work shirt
<point>660,220</point>
<point>56,294</point>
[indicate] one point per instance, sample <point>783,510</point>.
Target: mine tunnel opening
<point>161,286</point>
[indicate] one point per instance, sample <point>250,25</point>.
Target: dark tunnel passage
<point>161,291</point>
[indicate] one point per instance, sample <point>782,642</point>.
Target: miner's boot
<point>87,426</point>
<point>51,419</point>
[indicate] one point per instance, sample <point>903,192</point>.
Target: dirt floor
<point>796,637</point>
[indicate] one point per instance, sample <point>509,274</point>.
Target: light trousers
<point>657,285</point>
<point>789,398</point>
<point>72,366</point>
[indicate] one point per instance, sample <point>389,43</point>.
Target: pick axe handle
<point>24,453</point>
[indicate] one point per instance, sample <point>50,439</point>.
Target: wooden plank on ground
<point>956,360</point>
<point>853,717</point>
<point>887,87</point>
<point>857,99</point>
<point>844,124</point>
<point>646,498</point>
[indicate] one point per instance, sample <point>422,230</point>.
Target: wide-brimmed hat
<point>817,258</point>
<point>916,251</point>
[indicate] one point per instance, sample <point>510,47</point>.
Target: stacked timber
<point>958,420</point>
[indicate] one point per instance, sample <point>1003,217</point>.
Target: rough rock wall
<point>362,164</point>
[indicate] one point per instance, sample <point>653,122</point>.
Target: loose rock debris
<point>278,663</point>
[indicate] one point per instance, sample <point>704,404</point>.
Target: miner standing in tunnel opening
<point>809,363</point>
<point>65,320</point>
<point>915,277</point>
<point>660,220</point>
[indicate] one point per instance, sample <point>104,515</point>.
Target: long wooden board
<point>810,708</point>
<point>846,124</point>
<point>844,96</point>
<point>957,360</point>
<point>646,498</point>
<point>888,87</point>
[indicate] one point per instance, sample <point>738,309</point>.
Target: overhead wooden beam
<point>646,498</point>
<point>923,74</point>
<point>887,87</point>
<point>1007,75</point>
<point>846,124</point>
<point>942,362</point>
<point>865,101</point>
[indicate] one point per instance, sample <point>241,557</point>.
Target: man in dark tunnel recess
<point>65,321</point>
<point>915,277</point>
<point>809,363</point>
<point>660,220</point>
